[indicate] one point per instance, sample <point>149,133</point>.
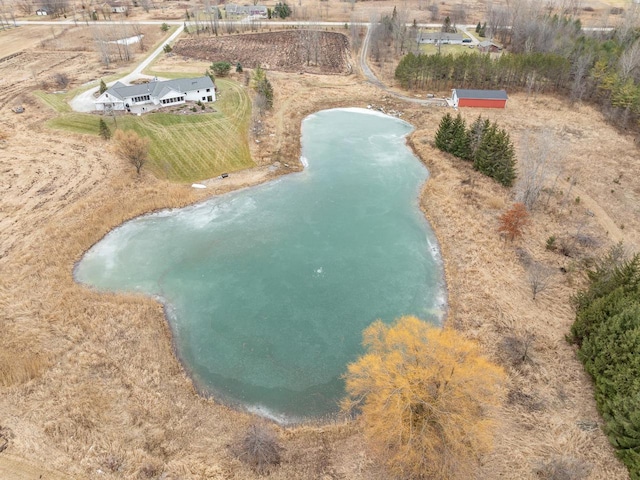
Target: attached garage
<point>479,98</point>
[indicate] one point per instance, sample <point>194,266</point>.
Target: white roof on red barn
<point>481,94</point>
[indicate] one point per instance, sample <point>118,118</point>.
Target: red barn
<point>479,98</point>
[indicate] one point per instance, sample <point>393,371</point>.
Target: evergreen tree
<point>103,87</point>
<point>282,10</point>
<point>444,137</point>
<point>262,86</point>
<point>478,27</point>
<point>460,139</point>
<point>505,166</point>
<point>220,69</point>
<point>495,156</point>
<point>105,132</point>
<point>607,328</point>
<point>475,133</point>
<point>446,25</point>
<point>238,67</point>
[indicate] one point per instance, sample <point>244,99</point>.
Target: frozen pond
<point>268,289</point>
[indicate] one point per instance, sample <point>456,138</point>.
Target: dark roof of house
<point>159,89</point>
<point>482,94</point>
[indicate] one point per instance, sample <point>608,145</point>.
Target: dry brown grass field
<point>89,383</point>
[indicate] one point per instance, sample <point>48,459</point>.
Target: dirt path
<point>603,218</point>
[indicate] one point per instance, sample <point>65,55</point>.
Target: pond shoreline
<point>364,168</point>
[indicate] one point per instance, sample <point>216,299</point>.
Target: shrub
<point>562,468</point>
<point>551,243</point>
<point>167,48</point>
<point>61,80</point>
<point>513,221</point>
<point>164,27</point>
<point>221,69</point>
<point>259,448</point>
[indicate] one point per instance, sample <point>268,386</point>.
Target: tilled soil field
<point>311,51</point>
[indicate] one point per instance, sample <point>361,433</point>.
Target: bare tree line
<point>111,41</point>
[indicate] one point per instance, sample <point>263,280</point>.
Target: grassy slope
<point>183,147</point>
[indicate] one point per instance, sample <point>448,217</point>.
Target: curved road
<point>84,101</point>
<point>371,78</point>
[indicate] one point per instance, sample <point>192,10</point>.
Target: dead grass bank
<point>110,400</point>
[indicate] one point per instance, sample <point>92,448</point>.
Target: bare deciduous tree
<point>539,159</point>
<point>629,63</point>
<point>355,31</point>
<point>434,10</point>
<point>517,347</point>
<point>132,147</point>
<point>146,5</point>
<point>25,6</point>
<point>101,44</point>
<point>540,278</point>
<point>137,31</point>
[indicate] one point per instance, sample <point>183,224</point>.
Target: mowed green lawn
<point>183,147</point>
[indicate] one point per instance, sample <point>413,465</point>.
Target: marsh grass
<point>20,367</point>
<point>112,395</point>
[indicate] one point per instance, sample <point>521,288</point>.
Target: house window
<point>204,99</point>
<point>208,89</point>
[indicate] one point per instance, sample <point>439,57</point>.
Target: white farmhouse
<point>233,9</point>
<point>156,94</point>
<point>441,38</point>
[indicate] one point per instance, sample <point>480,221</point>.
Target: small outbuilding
<point>489,47</point>
<point>479,98</point>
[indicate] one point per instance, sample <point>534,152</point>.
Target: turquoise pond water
<point>268,289</point>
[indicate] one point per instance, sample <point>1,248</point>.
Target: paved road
<point>84,101</point>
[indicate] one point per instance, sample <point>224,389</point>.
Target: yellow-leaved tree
<point>427,398</point>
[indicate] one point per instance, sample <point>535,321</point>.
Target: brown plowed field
<point>290,51</point>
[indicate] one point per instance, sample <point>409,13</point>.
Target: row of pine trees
<point>607,330</point>
<point>483,143</point>
<point>538,72</point>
